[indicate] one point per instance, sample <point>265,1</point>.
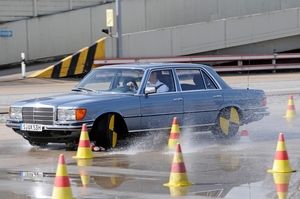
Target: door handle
<point>177,99</point>
<point>217,96</point>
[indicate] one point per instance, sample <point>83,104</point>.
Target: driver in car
<point>153,81</point>
<point>131,83</point>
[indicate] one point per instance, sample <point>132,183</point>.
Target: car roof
<point>154,65</point>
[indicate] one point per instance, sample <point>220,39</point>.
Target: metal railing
<point>221,63</point>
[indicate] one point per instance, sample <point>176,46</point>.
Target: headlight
<point>15,112</point>
<point>71,114</point>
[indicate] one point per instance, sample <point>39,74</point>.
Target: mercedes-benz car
<point>119,100</point>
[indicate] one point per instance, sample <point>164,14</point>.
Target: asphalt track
<point>234,167</point>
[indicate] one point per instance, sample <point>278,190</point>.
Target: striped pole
<point>84,149</point>
<point>178,176</point>
<point>62,189</point>
<point>174,134</point>
<point>281,161</point>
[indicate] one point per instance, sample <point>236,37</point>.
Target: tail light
<point>265,101</point>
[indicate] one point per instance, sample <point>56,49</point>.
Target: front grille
<point>38,115</point>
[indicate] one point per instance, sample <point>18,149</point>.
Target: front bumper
<point>61,127</point>
<point>51,133</point>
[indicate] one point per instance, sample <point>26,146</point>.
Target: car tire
<point>106,136</point>
<point>227,124</point>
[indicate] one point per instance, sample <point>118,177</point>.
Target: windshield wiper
<point>84,89</point>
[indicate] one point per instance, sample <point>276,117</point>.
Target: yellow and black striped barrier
<point>76,64</point>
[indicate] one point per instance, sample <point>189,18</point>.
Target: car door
<point>201,95</point>
<point>159,109</point>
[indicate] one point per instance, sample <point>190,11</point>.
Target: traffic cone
<point>179,191</point>
<point>178,176</point>
<point>291,111</point>
<point>174,134</point>
<point>84,174</point>
<point>61,189</point>
<point>282,181</point>
<point>281,161</point>
<point>84,150</point>
<point>244,136</point>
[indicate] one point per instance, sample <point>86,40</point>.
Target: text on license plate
<point>30,127</point>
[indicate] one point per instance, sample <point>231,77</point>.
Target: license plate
<point>31,174</point>
<point>31,127</point>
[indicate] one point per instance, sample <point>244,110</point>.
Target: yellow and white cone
<point>62,188</point>
<point>178,176</point>
<point>281,161</point>
<point>179,191</point>
<point>291,111</point>
<point>84,149</point>
<point>84,174</point>
<point>174,134</point>
<point>282,181</point>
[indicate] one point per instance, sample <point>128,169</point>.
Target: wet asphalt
<point>217,169</point>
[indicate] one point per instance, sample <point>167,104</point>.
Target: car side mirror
<point>150,90</point>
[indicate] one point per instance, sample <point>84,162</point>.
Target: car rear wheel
<point>110,129</point>
<point>228,123</point>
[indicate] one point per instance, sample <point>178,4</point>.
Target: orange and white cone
<point>178,176</point>
<point>282,181</point>
<point>281,161</point>
<point>174,134</point>
<point>84,149</point>
<point>291,111</point>
<point>62,188</point>
<point>244,136</point>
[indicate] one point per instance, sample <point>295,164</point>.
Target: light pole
<point>119,28</point>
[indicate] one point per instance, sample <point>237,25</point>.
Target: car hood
<point>72,99</point>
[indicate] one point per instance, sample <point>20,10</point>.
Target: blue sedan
<point>119,100</point>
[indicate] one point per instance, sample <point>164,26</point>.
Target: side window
<point>163,80</point>
<point>208,82</point>
<point>190,79</point>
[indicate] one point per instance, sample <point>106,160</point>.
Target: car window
<point>190,79</point>
<point>162,79</point>
<point>109,79</point>
<point>208,82</point>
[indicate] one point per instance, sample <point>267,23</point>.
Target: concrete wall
<point>273,28</point>
<point>11,10</point>
<point>68,32</point>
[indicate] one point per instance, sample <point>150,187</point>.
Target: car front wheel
<point>227,124</point>
<point>106,135</point>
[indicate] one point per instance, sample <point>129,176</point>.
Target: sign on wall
<point>6,33</point>
<point>109,17</point>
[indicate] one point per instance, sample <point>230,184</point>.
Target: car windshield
<point>111,80</point>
